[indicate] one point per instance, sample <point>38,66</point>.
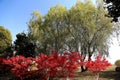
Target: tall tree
<point>34,26</point>
<point>5,40</point>
<point>36,32</point>
<point>24,46</point>
<point>57,32</point>
<point>90,29</point>
<point>83,28</point>
<point>49,30</point>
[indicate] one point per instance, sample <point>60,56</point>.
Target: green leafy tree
<point>82,28</point>
<point>113,7</point>
<point>34,26</point>
<point>24,46</point>
<point>37,32</point>
<point>90,29</point>
<point>56,31</point>
<point>117,63</point>
<point>5,40</point>
<point>49,31</point>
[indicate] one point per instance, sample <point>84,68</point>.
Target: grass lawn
<point>109,74</point>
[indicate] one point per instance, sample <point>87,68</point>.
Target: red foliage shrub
<point>4,68</point>
<point>44,66</point>
<point>97,65</point>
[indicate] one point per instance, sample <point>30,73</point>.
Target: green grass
<point>109,74</point>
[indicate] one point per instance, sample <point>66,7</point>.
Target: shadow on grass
<point>105,75</point>
<point>113,75</point>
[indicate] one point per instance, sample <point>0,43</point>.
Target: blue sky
<point>15,14</point>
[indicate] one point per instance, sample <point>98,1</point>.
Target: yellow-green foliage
<point>83,26</point>
<point>5,39</point>
<point>117,63</point>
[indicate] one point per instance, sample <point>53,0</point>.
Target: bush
<point>43,67</point>
<point>5,40</point>
<point>117,69</point>
<point>117,63</point>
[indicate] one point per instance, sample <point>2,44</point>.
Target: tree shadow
<point>107,75</point>
<point>113,75</point>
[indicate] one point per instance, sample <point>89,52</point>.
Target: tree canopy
<point>82,28</point>
<point>24,46</point>
<point>113,7</point>
<point>90,29</point>
<point>5,40</point>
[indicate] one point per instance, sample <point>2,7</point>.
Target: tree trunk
<point>83,68</point>
<point>97,76</point>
